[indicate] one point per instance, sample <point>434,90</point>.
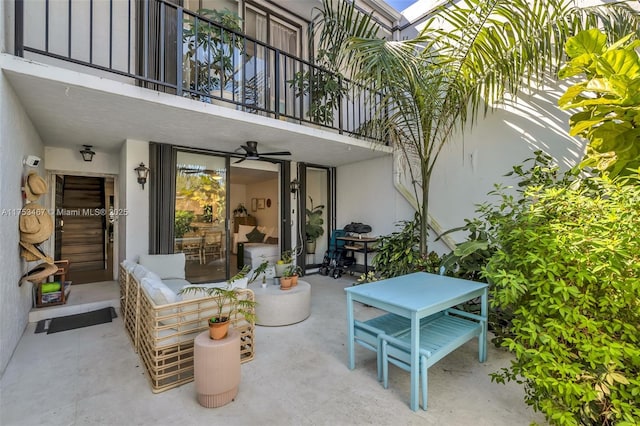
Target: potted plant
<point>260,270</point>
<point>296,271</point>
<point>210,51</point>
<point>227,304</point>
<point>285,261</point>
<point>240,211</point>
<point>286,279</point>
<point>313,226</point>
<point>324,89</point>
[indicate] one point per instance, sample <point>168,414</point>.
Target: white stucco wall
<point>472,163</point>
<point>18,138</point>
<point>365,193</point>
<point>70,161</point>
<point>134,226</point>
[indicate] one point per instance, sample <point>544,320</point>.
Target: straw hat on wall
<point>36,224</point>
<point>39,273</point>
<point>34,186</point>
<point>31,253</point>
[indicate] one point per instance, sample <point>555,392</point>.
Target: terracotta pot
<point>218,330</point>
<point>294,280</point>
<point>285,283</point>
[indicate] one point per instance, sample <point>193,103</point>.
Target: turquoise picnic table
<point>416,296</point>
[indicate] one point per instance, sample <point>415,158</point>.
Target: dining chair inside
<point>212,245</point>
<point>192,245</point>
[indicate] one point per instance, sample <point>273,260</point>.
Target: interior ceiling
<point>69,109</point>
<point>245,176</point>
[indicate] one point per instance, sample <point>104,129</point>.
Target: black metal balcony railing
<point>161,46</point>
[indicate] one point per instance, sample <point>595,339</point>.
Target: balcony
<point>157,45</point>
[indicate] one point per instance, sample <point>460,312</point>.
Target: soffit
<point>69,109</point>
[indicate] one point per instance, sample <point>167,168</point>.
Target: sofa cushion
<point>139,272</point>
<point>176,284</point>
<point>255,236</point>
<point>167,266</point>
<point>159,293</point>
<point>243,230</point>
<point>128,265</point>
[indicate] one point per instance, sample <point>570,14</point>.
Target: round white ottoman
<point>277,307</point>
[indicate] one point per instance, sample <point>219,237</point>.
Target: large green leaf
<point>619,62</point>
<point>589,41</point>
<point>609,100</point>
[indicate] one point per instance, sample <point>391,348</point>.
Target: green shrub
<point>470,257</point>
<point>183,222</point>
<point>567,266</point>
<point>399,253</point>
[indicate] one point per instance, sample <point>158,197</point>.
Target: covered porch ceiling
<point>70,108</point>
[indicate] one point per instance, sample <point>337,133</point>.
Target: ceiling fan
<point>200,170</point>
<point>250,150</point>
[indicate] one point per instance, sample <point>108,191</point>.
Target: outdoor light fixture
<point>87,153</point>
<point>143,172</point>
<point>295,186</point>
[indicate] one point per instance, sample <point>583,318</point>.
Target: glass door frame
<point>330,207</point>
<point>227,237</point>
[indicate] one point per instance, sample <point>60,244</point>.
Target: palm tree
<point>468,56</point>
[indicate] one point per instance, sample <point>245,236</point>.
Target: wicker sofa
<point>162,324</point>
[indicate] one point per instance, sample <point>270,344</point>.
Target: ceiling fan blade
<point>276,153</point>
<point>239,161</point>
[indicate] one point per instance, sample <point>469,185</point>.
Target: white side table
<point>277,307</point>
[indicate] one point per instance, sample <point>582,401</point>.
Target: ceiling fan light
<point>252,156</point>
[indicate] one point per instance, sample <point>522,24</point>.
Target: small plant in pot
<point>313,227</point>
<point>286,279</point>
<point>228,305</point>
<point>285,261</point>
<point>296,272</point>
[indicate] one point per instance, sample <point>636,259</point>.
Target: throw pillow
<point>243,230</point>
<point>255,236</point>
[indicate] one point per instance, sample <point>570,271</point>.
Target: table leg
<point>351,333</point>
<point>483,335</point>
<point>415,360</point>
<point>366,267</point>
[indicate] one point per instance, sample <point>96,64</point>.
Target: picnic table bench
<point>421,326</point>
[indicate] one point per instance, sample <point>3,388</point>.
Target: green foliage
<point>183,222</point>
<point>313,227</point>
<point>470,257</point>
<point>468,55</point>
<point>324,90</point>
<point>608,101</point>
<point>287,256</point>
<point>567,265</point>
<point>210,49</point>
<point>226,296</point>
<point>399,253</point>
<point>323,84</point>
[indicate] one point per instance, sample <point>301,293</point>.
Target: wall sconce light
<point>87,153</point>
<point>143,172</point>
<point>295,186</point>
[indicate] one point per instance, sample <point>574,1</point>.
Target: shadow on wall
<point>472,163</point>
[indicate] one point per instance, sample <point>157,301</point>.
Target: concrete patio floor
<point>92,376</point>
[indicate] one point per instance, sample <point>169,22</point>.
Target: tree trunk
<point>424,214</point>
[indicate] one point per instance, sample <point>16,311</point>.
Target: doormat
<point>71,322</point>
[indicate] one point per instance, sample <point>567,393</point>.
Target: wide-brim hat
<point>36,224</point>
<point>31,253</point>
<point>39,273</point>
<point>34,186</point>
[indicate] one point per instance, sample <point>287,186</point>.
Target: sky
<point>400,5</point>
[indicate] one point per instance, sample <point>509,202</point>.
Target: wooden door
<point>83,240</point>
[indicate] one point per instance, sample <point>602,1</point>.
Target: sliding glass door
<point>201,215</point>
